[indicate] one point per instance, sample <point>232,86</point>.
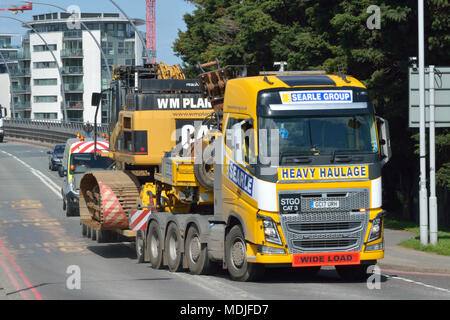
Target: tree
<point>333,35</point>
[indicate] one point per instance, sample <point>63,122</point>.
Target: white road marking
<point>417,283</point>
<point>44,179</point>
<point>218,288</point>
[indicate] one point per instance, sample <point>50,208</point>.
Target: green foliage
<point>332,35</point>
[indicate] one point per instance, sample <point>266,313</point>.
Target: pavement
<point>403,259</point>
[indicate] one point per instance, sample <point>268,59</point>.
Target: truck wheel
<point>236,257</point>
<point>196,253</point>
<point>154,241</point>
<point>354,272</point>
<point>172,248</point>
<point>140,246</point>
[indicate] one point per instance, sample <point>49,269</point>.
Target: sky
<point>169,18</point>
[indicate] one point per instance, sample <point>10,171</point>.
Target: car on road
<point>79,158</point>
<point>55,156</point>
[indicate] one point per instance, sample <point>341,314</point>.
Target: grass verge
<point>442,247</point>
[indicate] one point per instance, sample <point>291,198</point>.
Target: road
<point>41,251</point>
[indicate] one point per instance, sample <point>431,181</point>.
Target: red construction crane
<point>151,29</point>
<point>16,9</point>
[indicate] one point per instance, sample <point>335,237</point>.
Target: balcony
<point>72,104</point>
<point>73,34</point>
<point>22,106</point>
<point>72,53</point>
<point>73,87</point>
<point>72,70</point>
<point>20,72</point>
<point>22,89</point>
<point>24,56</point>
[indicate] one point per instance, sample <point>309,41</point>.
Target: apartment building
<point>9,55</point>
<point>69,64</point>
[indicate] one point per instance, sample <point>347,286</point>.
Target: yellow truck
<point>288,173</point>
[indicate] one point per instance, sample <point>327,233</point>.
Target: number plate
<point>324,204</point>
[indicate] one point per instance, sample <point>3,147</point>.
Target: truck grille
<point>339,228</point>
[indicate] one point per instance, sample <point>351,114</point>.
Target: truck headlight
<point>377,228</point>
<point>271,232</point>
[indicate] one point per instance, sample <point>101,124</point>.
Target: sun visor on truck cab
<point>314,101</point>
<point>161,85</point>
<point>307,80</point>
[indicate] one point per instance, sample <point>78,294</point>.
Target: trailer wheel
<point>196,253</point>
<point>353,272</point>
<point>140,246</point>
<point>103,236</point>
<point>154,242</point>
<point>172,248</point>
<point>236,257</point>
<point>84,230</point>
<point>94,234</point>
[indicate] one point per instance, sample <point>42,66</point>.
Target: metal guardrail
<point>49,131</point>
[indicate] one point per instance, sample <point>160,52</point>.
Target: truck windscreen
<point>317,135</point>
<point>83,162</point>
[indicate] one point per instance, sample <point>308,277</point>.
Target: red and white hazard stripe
<point>89,146</point>
<point>113,213</point>
<point>138,219</point>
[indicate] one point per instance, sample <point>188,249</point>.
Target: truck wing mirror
<point>385,142</point>
<point>96,98</point>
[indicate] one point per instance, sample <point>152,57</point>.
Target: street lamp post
<point>54,58</point>
<point>423,192</point>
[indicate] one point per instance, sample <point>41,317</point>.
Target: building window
<point>41,48</point>
<point>46,116</point>
<point>75,115</point>
<point>45,82</point>
<point>45,65</point>
<point>43,99</point>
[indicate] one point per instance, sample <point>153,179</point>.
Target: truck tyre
<point>353,272</point>
<point>204,175</point>
<point>140,246</point>
<point>172,248</point>
<point>154,245</point>
<point>236,257</point>
<point>196,253</point>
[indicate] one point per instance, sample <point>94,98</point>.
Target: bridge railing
<point>48,131</point>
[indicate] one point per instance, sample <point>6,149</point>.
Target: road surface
<point>43,255</point>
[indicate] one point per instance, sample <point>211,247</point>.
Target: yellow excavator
<point>153,109</point>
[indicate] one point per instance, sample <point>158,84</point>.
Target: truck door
<point>238,179</point>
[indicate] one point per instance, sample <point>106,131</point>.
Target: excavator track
<point>107,196</point>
